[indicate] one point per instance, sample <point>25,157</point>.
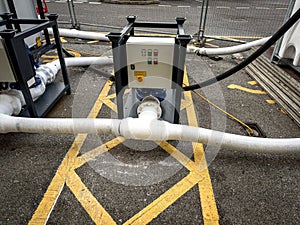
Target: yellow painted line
<point>253,82</point>
<point>164,201</point>
<point>62,40</point>
<point>283,111</point>
<point>271,102</point>
<point>81,160</point>
<point>212,45</point>
<point>93,42</point>
<point>242,37</point>
<point>208,204</point>
<point>75,53</point>
<point>95,210</point>
<point>50,197</point>
<point>114,95</point>
<point>180,157</point>
<point>238,87</point>
<point>110,104</point>
<point>184,104</point>
<point>48,60</point>
<point>98,104</point>
<point>49,57</point>
<point>231,39</point>
<point>45,207</point>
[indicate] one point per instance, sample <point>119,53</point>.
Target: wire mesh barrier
<point>235,19</point>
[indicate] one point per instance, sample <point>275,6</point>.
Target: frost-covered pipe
<point>156,130</point>
<point>81,34</point>
<point>148,127</point>
<point>11,101</point>
<point>227,50</point>
<point>55,126</point>
<point>190,49</point>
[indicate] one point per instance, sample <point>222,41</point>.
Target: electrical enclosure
<point>150,62</point>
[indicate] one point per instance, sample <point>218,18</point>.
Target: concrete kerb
<point>132,2</point>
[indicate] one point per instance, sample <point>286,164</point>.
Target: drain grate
<point>258,132</point>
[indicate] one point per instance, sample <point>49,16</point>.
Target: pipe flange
<point>150,102</point>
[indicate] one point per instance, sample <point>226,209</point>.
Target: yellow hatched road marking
<point>184,104</point>
<point>208,204</point>
<point>45,207</point>
<point>66,174</point>
<point>81,160</point>
<point>110,104</point>
<point>42,213</point>
<point>87,200</point>
<point>180,157</point>
<point>164,201</point>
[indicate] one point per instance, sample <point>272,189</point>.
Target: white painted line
<point>164,5</point>
<point>95,3</point>
<point>183,6</point>
<point>262,8</point>
<point>61,1</point>
<point>223,7</point>
<point>281,8</point>
<point>242,7</point>
<point>78,2</point>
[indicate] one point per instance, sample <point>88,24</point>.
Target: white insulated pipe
<point>57,125</point>
<point>190,49</point>
<point>11,101</point>
<point>73,33</point>
<point>148,127</point>
<point>227,50</point>
<point>81,61</point>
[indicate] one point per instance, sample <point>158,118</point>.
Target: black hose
<point>252,57</point>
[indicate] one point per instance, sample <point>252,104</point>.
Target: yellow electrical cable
<point>249,129</point>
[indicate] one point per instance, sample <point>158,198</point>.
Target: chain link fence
<point>231,19</point>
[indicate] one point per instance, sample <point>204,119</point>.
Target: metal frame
<point>23,69</point>
<point>120,63</point>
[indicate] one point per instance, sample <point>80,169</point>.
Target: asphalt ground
<point>113,187</point>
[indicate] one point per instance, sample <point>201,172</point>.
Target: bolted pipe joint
<point>149,108</point>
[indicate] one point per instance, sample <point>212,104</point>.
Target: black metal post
<point>53,17</point>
